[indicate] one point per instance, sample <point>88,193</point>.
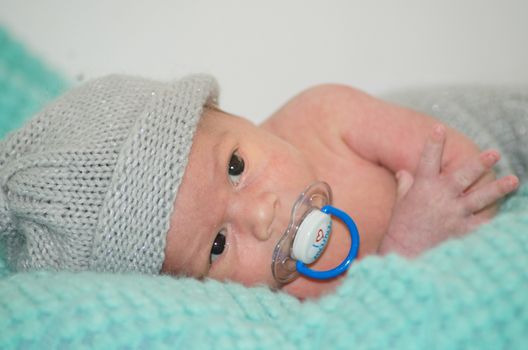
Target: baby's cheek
<point>253,266</point>
<point>291,173</point>
<point>370,242</point>
<point>369,246</point>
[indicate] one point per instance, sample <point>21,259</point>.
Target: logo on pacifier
<point>320,235</point>
<point>321,239</point>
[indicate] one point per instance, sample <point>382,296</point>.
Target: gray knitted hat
<point>90,182</point>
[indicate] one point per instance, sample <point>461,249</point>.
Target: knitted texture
<point>469,293</point>
<point>90,181</point>
<point>26,84</point>
<point>494,117</point>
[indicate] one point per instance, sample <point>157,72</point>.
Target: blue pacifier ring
<point>345,264</point>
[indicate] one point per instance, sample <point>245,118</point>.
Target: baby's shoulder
<point>316,113</point>
<point>322,103</point>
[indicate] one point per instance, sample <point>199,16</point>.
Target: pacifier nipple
<point>307,235</point>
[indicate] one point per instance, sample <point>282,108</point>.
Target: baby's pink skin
<point>333,133</point>
<point>436,205</point>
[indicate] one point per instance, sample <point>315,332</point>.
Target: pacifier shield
<point>313,198</point>
<point>307,236</point>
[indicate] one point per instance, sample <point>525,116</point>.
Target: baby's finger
<point>431,158</point>
<point>463,177</point>
<point>488,194</point>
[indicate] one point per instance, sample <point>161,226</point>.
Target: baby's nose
<point>259,212</point>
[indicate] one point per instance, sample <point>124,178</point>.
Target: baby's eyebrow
<point>196,262</point>
<point>217,145</point>
<point>219,148</point>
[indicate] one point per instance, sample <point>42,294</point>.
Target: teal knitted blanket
<point>26,83</point>
<point>470,293</point>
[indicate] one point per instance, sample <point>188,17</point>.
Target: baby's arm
<point>384,133</point>
<point>379,132</point>
<point>435,204</point>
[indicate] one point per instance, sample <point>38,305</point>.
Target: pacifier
<point>307,234</point>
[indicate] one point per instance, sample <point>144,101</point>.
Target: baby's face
<point>234,201</point>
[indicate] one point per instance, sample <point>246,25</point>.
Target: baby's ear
<point>405,181</point>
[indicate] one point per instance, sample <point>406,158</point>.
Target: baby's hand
<point>436,205</point>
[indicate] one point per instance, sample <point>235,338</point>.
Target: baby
<point>126,174</point>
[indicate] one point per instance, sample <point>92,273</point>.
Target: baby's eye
<point>236,168</point>
<point>218,247</point>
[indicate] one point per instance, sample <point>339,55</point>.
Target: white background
<point>264,52</point>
